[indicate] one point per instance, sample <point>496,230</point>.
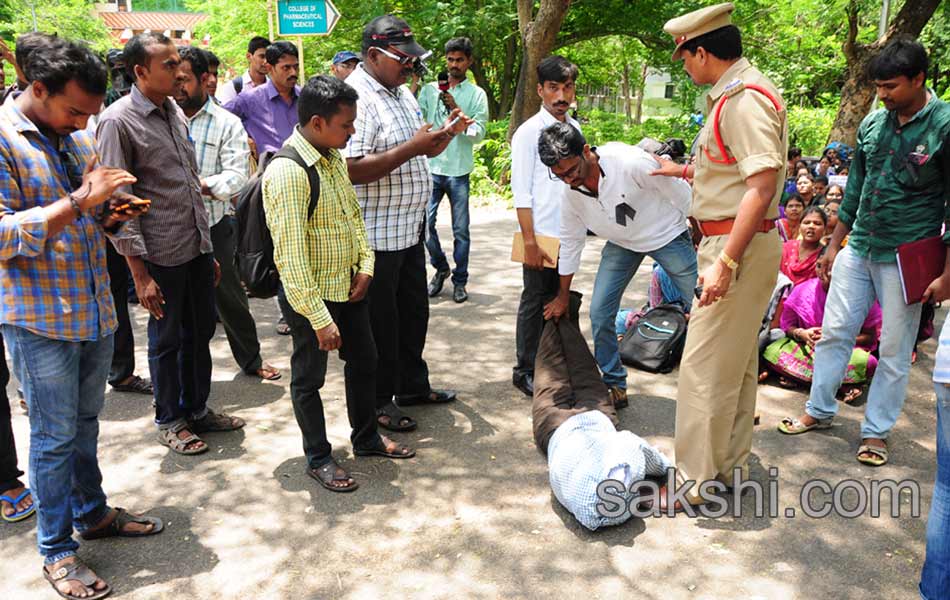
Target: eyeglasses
<point>569,174</point>
<point>402,59</point>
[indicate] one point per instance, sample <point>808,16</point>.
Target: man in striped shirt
<point>326,265</point>
<point>222,153</point>
<point>169,251</point>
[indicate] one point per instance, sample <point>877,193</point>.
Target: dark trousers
<point>566,378</point>
<point>179,354</point>
<point>539,287</point>
<point>308,370</point>
<point>399,313</point>
<point>123,357</point>
<point>230,299</point>
<point>9,472</point>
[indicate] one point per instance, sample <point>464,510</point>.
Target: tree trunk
<point>626,91</point>
<point>483,83</point>
<point>538,34</point>
<point>509,75</point>
<point>857,93</point>
<point>641,90</point>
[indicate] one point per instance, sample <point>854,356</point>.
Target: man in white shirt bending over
<point>612,194</point>
<point>537,198</point>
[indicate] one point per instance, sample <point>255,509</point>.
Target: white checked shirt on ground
<point>531,183</point>
<point>393,207</point>
<point>222,152</point>
<point>586,450</point>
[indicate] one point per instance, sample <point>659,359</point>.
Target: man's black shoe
<point>459,294</point>
<point>525,383</point>
<point>435,284</point>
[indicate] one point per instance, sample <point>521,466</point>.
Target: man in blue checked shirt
<point>56,309</point>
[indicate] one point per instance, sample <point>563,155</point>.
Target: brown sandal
<point>117,527</point>
<point>169,437</point>
<point>77,571</point>
<point>326,474</point>
<point>213,421</point>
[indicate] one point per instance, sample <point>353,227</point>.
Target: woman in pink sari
<point>800,257</point>
<point>792,357</point>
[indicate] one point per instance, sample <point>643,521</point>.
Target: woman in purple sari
<point>792,357</point>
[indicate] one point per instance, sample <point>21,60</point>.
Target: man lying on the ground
<point>575,424</point>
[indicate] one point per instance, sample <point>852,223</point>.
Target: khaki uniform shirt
<point>752,132</point>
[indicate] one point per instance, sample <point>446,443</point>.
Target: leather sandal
<point>77,571</point>
<point>169,437</point>
<point>117,527</point>
<point>326,474</point>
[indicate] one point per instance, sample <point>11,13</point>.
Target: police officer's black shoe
<point>459,294</point>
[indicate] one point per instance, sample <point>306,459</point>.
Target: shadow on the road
<point>225,445</point>
<point>131,563</point>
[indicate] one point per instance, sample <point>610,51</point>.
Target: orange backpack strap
<point>732,90</point>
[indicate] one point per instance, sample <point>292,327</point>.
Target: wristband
<point>75,206</point>
<point>726,260</point>
<point>685,169</point>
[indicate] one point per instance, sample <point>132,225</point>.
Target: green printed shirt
<point>899,183</point>
<point>316,257</point>
<point>458,157</point>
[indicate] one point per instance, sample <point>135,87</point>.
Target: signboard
<point>306,17</point>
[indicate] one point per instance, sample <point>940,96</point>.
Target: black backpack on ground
<point>654,342</point>
<point>254,256</point>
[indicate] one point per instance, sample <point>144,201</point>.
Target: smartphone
<point>133,205</point>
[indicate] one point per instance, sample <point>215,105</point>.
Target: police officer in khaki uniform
<point>737,182</point>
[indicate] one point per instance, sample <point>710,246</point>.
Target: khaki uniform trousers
<point>718,376</point>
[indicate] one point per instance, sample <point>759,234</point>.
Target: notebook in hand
<point>919,263</point>
<point>550,245</point>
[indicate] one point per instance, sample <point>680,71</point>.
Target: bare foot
<point>74,587</point>
<point>9,509</point>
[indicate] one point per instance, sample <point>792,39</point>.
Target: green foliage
<point>808,128</point>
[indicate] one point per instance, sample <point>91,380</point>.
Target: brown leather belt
<point>724,227</point>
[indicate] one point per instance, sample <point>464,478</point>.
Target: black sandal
<point>117,527</point>
<point>398,420</point>
<point>77,571</point>
<point>136,385</point>
<point>400,452</point>
<point>328,473</point>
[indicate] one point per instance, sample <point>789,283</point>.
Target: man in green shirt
<point>325,265</point>
<point>897,192</point>
<point>451,169</point>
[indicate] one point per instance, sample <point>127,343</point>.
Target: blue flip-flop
<point>20,515</point>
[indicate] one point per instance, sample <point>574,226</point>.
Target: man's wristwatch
<point>728,261</point>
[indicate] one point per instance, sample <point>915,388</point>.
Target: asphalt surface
<point>472,515</point>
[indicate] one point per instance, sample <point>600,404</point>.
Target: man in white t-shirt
<point>612,194</point>
<point>537,197</point>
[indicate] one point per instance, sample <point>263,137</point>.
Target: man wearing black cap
<point>387,163</point>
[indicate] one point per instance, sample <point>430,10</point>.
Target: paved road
<point>472,516</point>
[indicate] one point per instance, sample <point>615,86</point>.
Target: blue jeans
<point>617,267</point>
<point>935,577</point>
<point>457,190</point>
<point>856,282</point>
<point>64,385</point>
